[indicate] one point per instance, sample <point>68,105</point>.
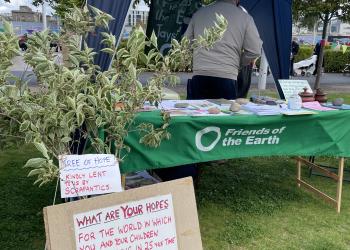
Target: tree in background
<point>325,10</point>
<point>60,6</point>
<point>310,21</point>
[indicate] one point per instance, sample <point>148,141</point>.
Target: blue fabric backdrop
<point>119,10</point>
<point>273,19</point>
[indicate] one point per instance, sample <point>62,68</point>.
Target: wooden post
<point>299,171</point>
<point>340,183</point>
<point>123,181</point>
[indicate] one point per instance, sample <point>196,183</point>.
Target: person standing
<point>317,51</point>
<point>294,52</point>
<point>215,70</point>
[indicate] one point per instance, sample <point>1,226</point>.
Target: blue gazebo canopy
<point>273,19</point>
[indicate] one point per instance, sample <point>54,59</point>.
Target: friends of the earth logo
<point>236,137</point>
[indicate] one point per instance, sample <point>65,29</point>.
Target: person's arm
<point>251,44</point>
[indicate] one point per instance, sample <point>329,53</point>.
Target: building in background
<point>136,16</point>
<point>25,14</point>
<point>338,28</point>
<point>337,31</point>
<point>25,20</point>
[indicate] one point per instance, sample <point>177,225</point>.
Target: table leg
<point>298,171</point>
<point>336,202</point>
<point>340,183</point>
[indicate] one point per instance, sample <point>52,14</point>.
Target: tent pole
<point>120,35</point>
<point>263,71</point>
<point>43,14</point>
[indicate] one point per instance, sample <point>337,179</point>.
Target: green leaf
<point>66,139</point>
<point>24,126</point>
<point>34,162</point>
<point>71,102</point>
<point>80,118</point>
<point>99,121</point>
<point>153,40</point>
<point>92,99</point>
<point>143,58</point>
<point>36,172</point>
<point>42,148</point>
<point>108,50</point>
<point>74,60</point>
<point>132,71</point>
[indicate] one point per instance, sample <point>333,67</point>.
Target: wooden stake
<point>340,183</point>
<point>123,181</point>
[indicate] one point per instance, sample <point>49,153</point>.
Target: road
<point>329,81</point>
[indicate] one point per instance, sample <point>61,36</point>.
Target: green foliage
<point>243,204</point>
<point>8,49</point>
<point>255,204</point>
<point>76,98</point>
<point>335,61</point>
<point>304,53</point>
<point>323,9</point>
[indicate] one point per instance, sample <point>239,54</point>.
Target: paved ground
<point>329,81</point>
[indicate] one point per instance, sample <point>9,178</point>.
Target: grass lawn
<point>242,204</point>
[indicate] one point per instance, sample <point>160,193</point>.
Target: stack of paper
<point>191,108</point>
<point>259,109</point>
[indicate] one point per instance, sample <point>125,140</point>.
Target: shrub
<point>75,101</point>
<point>304,53</point>
<point>335,61</point>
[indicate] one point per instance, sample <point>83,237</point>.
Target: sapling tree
<point>77,104</point>
<point>325,10</point>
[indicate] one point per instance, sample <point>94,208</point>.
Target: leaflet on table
<point>260,109</point>
<point>316,106</point>
<point>192,104</point>
<point>185,112</point>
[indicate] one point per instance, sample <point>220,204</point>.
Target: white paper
<point>138,225</point>
<point>193,104</point>
<point>290,87</point>
<point>89,174</point>
<point>261,109</point>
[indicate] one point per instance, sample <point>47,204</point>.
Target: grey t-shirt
<point>240,45</point>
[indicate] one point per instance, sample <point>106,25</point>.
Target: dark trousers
<point>200,87</point>
<point>292,67</point>
<point>209,87</point>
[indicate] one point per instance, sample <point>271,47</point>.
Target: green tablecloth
<point>200,139</point>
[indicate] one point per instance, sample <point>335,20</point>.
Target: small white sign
<point>289,87</point>
<point>89,174</point>
<point>138,225</point>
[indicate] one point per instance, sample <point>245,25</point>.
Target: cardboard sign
<point>144,224</point>
<point>289,87</point>
<point>160,216</point>
<point>89,174</point>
